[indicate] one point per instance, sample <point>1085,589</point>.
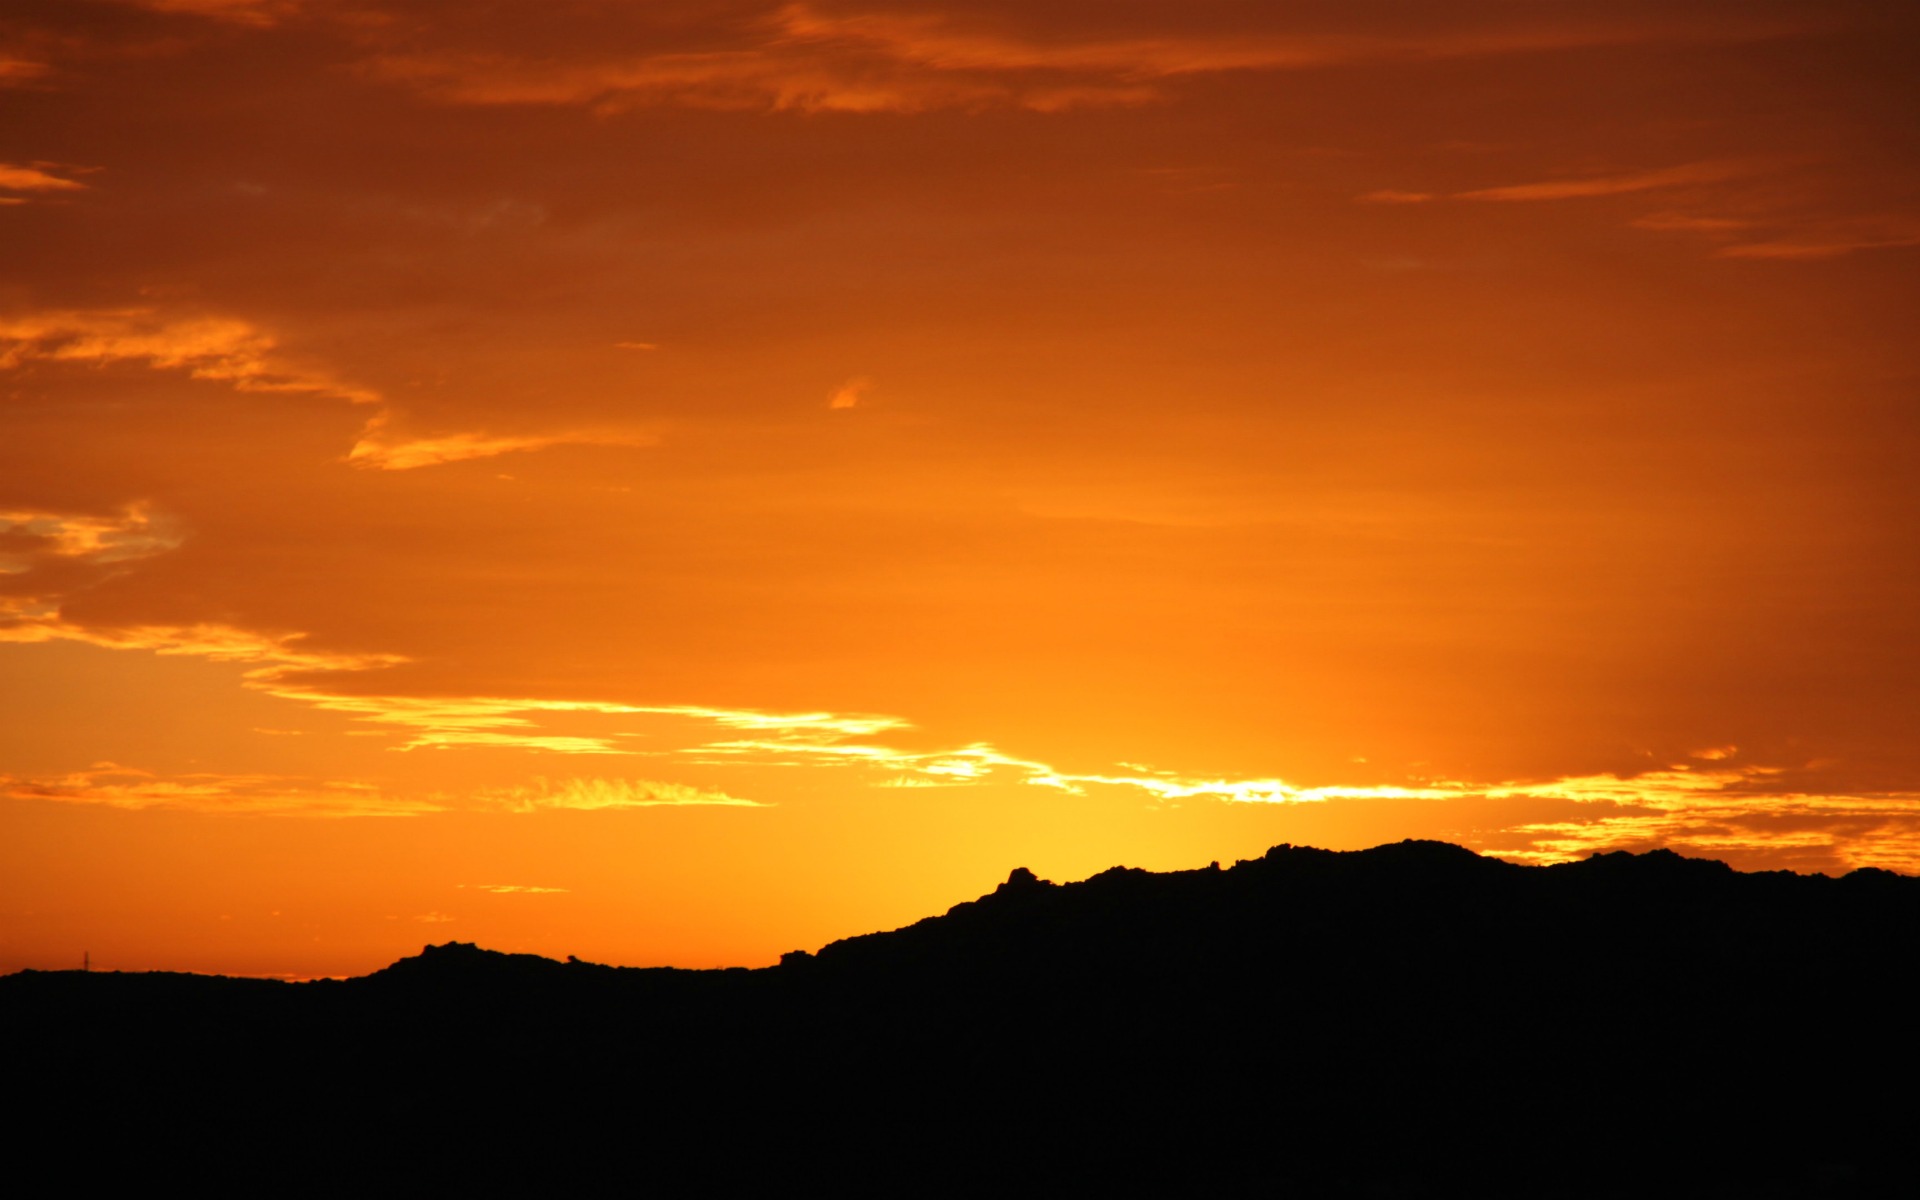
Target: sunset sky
<point>676,481</point>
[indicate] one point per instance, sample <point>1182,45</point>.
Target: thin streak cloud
<point>220,349</point>
<point>113,786</point>
<point>1612,185</point>
<point>135,532</point>
<point>1395,196</point>
<point>590,795</point>
<point>35,178</point>
<point>515,889</point>
<point>800,57</point>
<point>257,13</point>
<point>1817,247</point>
<point>17,72</point>
<point>380,449</point>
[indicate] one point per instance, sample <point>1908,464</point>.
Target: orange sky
<point>675,482</point>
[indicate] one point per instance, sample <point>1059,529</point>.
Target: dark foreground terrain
<point>1408,1020</point>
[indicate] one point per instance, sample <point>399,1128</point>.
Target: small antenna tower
<point>86,960</point>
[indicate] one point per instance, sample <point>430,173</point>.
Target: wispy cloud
<point>515,889</point>
<point>437,722</point>
<point>445,722</point>
<point>259,13</point>
<point>1791,232</point>
<point>1583,187</point>
<point>1819,245</point>
<point>36,178</point>
<point>849,394</point>
<point>982,763</point>
<point>1742,811</point>
<point>15,72</point>
<point>135,532</point>
<point>801,57</point>
<point>1613,185</point>
<point>725,80</point>
<point>380,448</point>
<point>1674,222</point>
<point>285,666</point>
<point>212,640</point>
<point>113,786</point>
<point>1394,196</point>
<point>1792,223</point>
<point>221,349</point>
<point>1721,814</point>
<point>594,794</point>
<point>238,353</point>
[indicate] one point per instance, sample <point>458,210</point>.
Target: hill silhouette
<point>1408,1020</point>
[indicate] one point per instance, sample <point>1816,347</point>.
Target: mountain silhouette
<point>1413,1019</point>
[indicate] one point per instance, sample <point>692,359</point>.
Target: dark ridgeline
<point>1408,1020</point>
